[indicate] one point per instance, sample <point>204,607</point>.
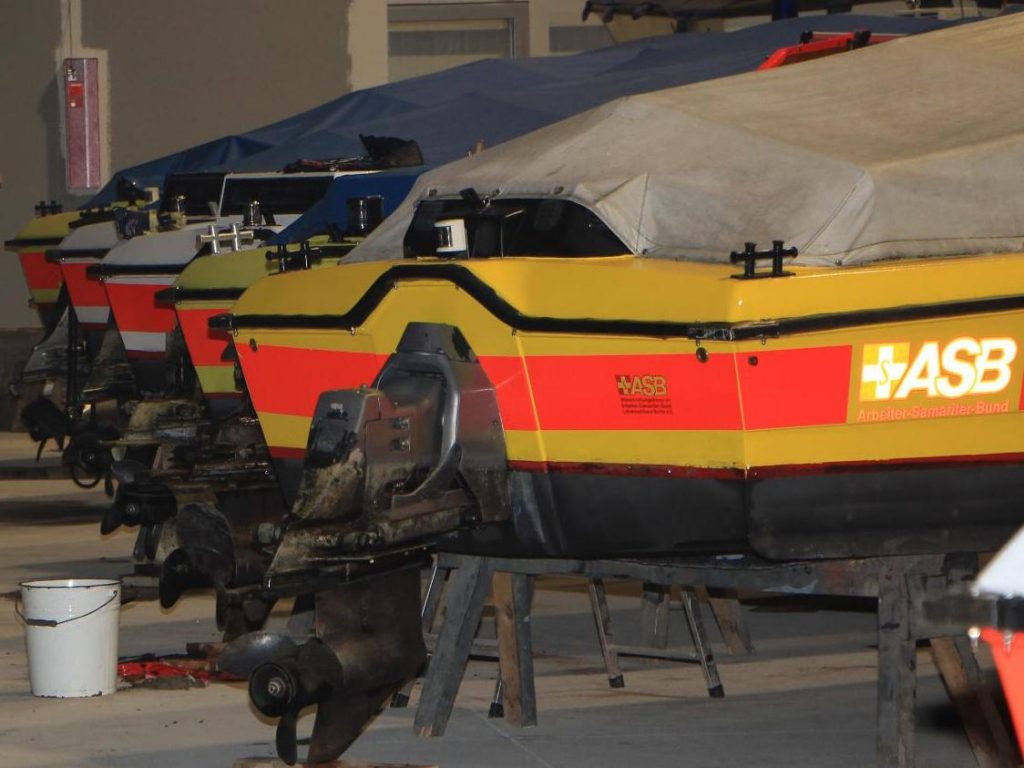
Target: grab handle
<point>53,622</point>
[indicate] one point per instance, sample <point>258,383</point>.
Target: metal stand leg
<point>700,643</point>
<point>428,612</point>
<point>432,598</point>
<point>497,708</point>
<point>467,591</point>
<point>897,670</point>
<point>603,621</point>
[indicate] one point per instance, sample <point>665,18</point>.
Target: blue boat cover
<point>495,100</point>
<point>332,209</point>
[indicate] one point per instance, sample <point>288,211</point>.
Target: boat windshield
<point>477,229</point>
<point>196,193</point>
<point>293,194</point>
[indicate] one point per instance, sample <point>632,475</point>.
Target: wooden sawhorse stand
<point>898,583</point>
<point>654,624</point>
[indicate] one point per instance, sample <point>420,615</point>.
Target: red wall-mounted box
<point>82,123</point>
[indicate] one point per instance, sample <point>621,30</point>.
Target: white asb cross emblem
<point>884,366</point>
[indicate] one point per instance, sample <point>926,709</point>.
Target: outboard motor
<point>389,470</point>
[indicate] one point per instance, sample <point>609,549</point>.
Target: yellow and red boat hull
<point>42,276</point>
<point>210,286</point>
<point>633,381</point>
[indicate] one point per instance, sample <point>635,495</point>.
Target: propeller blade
<point>174,578</point>
<point>112,518</point>
<point>242,655</point>
<point>152,540</point>
<point>130,472</point>
<point>286,739</point>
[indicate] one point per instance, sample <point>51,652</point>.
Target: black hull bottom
<point>856,512</point>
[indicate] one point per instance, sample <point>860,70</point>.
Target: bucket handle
<point>53,622</point>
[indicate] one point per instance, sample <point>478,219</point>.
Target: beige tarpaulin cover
<point>909,148</point>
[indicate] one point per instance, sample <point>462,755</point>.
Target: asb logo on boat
<point>965,367</point>
<point>645,394</point>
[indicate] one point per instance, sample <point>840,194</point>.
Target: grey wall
<point>197,69</point>
<point>177,74</point>
<point>30,159</point>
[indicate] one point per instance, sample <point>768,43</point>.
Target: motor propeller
<point>283,688</point>
<point>285,677</point>
<point>368,644</point>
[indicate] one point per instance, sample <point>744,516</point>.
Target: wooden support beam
<point>468,588</point>
<point>654,605</point>
<point>897,670</point>
<point>603,622</point>
<point>732,624</point>
<point>986,731</point>
<point>513,593</point>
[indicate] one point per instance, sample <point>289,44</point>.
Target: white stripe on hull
<point>143,341</point>
<point>92,315</point>
<point>141,279</point>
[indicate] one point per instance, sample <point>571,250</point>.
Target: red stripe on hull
<point>287,380</point>
<point>135,307</point>
<point>287,453</point>
<point>40,274</point>
<point>508,375</point>
<point>85,291</point>
<point>205,346</point>
<point>785,388</point>
<point>795,387</point>
<point>635,392</point>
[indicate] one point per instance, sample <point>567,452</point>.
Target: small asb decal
<point>643,393</point>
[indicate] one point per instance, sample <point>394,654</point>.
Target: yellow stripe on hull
<point>217,379</point>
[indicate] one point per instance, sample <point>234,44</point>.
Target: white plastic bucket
<point>71,635</point>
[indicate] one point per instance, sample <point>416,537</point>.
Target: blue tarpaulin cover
<point>332,209</point>
<point>495,100</point>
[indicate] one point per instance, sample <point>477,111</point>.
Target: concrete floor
<point>807,698</point>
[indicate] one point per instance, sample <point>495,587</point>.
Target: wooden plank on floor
<point>269,762</point>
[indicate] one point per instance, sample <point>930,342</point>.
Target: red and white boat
<point>84,246</point>
<point>139,267</point>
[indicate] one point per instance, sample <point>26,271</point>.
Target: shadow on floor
<point>55,511</point>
